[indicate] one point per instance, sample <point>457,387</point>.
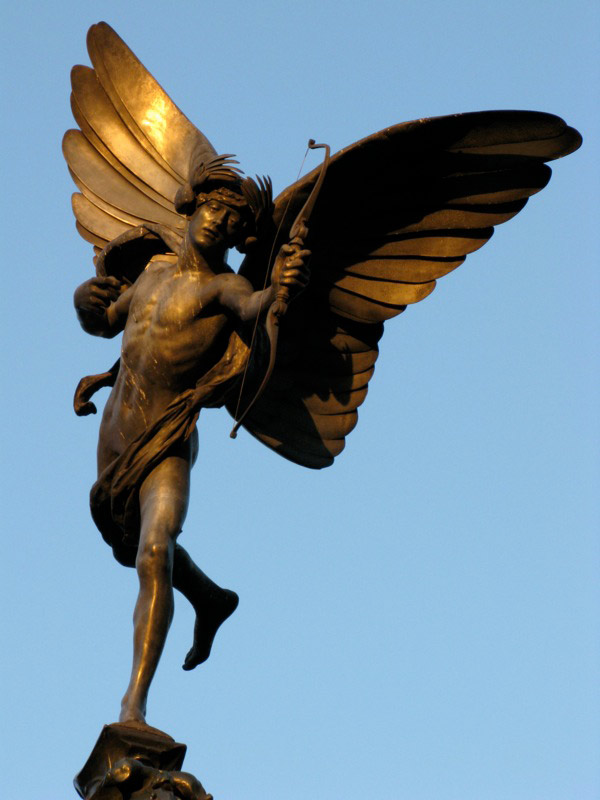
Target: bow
<point>279,306</point>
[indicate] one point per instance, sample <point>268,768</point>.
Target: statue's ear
<point>185,200</point>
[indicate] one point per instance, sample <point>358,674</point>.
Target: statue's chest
<point>167,302</point>
<point>177,303</point>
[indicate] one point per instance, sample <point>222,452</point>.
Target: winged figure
<point>348,246</point>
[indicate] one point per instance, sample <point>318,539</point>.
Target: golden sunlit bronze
<point>287,350</point>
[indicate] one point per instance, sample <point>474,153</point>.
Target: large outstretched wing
<point>397,211</point>
<point>133,148</point>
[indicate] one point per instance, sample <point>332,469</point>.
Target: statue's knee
<point>154,557</point>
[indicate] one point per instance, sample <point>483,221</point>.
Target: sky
<point>418,621</point>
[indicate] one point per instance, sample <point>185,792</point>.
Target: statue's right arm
<point>102,305</point>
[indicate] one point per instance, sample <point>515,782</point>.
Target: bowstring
<point>266,278</point>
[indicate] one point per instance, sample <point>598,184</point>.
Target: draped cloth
<point>114,497</point>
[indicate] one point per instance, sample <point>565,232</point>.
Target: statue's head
<point>225,209</point>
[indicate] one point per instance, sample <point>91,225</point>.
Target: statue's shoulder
<point>231,278</point>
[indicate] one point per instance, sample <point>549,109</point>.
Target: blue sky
<point>419,621</point>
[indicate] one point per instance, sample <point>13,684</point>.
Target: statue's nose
<point>221,216</point>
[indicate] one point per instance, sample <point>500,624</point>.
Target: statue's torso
<point>172,337</point>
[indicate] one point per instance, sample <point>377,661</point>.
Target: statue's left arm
<point>236,294</point>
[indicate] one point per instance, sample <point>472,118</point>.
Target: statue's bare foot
<point>209,618</point>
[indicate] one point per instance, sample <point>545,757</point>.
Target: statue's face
<point>215,226</point>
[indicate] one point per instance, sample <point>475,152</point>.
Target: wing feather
<point>285,447</point>
<point>406,270</point>
<point>431,243</point>
<point>270,423</point>
<point>388,293</point>
<point>334,362</point>
<point>92,238</point>
<point>455,216</point>
<point>103,226</point>
<point>117,213</point>
<point>342,402</point>
<point>360,308</point>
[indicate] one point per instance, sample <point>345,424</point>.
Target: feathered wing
<point>397,211</point>
<point>133,148</point>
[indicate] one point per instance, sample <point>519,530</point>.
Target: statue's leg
<point>211,603</point>
<point>164,498</point>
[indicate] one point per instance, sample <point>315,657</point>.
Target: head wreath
<point>219,177</point>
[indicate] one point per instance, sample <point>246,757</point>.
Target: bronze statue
<point>380,221</point>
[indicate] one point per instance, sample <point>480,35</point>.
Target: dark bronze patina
<point>384,219</point>
<point>137,764</point>
<point>278,308</point>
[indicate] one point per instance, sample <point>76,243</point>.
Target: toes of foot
<point>191,660</point>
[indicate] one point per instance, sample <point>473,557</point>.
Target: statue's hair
<point>254,199</point>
